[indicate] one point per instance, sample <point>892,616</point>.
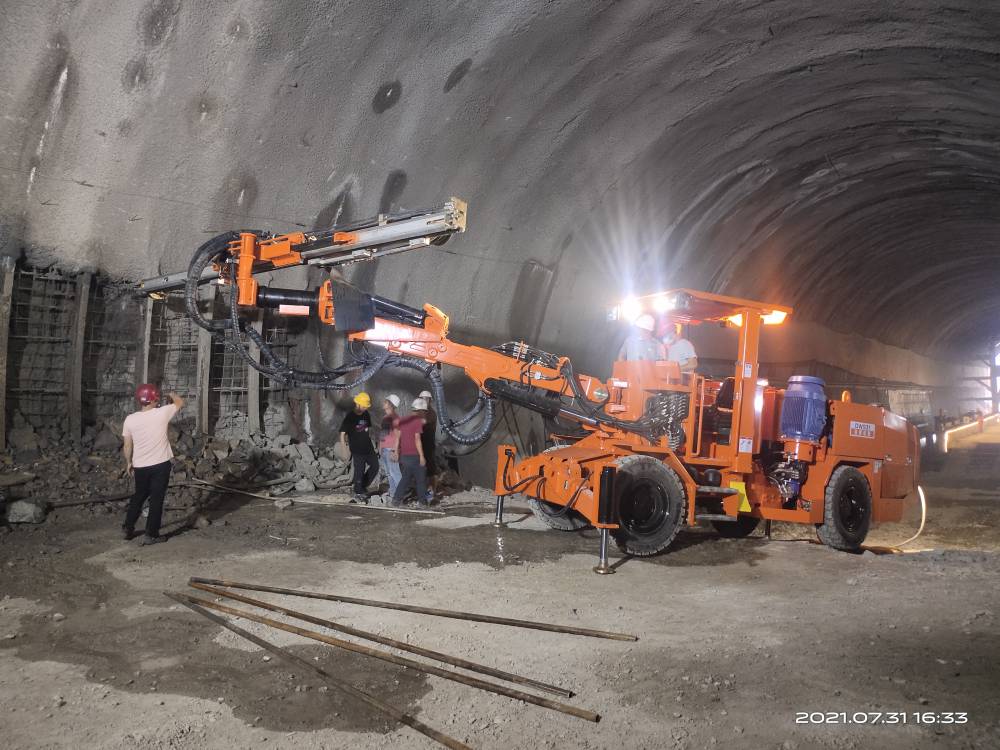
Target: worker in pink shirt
<point>410,449</point>
<point>148,456</point>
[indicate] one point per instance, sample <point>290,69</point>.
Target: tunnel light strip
<point>944,448</point>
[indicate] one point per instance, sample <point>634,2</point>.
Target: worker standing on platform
<point>679,349</point>
<point>388,441</point>
<point>428,438</point>
<point>148,456</point>
<point>641,344</point>
<point>355,434</point>
<point>412,462</point>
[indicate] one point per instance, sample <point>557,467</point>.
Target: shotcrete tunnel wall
<point>836,157</point>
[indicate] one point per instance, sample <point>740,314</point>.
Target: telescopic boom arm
<point>259,252</point>
<point>406,337</point>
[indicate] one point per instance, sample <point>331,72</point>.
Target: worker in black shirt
<point>355,434</point>
<point>428,440</point>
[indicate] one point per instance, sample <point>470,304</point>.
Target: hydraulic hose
<point>207,253</point>
<point>483,404</point>
<point>572,501</point>
<point>523,483</point>
<point>216,250</point>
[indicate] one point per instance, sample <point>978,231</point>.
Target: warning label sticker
<point>862,430</point>
<point>746,445</point>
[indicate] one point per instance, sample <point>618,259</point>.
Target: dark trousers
<point>365,471</point>
<point>150,482</point>
<point>413,474</point>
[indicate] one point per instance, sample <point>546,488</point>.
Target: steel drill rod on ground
<point>345,687</point>
<point>401,661</point>
<point>472,616</point>
<point>391,642</point>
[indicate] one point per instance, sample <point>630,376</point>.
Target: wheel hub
<point>852,510</point>
<point>644,508</point>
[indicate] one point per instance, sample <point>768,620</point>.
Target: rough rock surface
<point>25,511</point>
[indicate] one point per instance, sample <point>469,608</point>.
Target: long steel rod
<point>345,687</point>
<point>391,642</point>
<point>569,629</point>
<point>402,661</point>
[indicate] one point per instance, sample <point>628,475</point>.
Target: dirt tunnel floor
<point>736,637</point>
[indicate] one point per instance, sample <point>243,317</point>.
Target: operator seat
<point>724,398</point>
<point>719,416</point>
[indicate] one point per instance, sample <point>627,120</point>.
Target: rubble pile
<point>44,469</point>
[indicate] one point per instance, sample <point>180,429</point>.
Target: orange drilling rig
<point>659,449</point>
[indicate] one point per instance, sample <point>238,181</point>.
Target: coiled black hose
<point>483,404</point>
<point>216,250</point>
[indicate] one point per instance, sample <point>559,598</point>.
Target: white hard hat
<point>646,323</point>
<point>393,399</point>
<point>426,394</point>
<point>419,403</point>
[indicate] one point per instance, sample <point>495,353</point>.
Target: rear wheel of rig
<point>652,505</point>
<point>847,512</point>
<point>742,527</point>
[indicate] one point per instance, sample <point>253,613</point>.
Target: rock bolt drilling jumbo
<point>659,449</point>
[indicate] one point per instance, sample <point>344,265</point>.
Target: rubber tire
<point>571,521</point>
<point>740,529</point>
<point>650,472</point>
<point>833,532</point>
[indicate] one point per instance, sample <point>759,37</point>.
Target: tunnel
<point>839,160</point>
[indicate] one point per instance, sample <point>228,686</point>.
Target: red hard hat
<point>147,393</point>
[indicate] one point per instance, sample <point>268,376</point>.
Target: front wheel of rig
<point>652,505</point>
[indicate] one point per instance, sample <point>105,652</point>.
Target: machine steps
<point>705,490</point>
<point>709,503</point>
<point>715,517</point>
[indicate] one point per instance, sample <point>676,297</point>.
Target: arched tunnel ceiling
<point>839,157</point>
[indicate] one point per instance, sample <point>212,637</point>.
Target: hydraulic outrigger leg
<point>606,513</point>
<point>498,521</point>
<point>602,567</point>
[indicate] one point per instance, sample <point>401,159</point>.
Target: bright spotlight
<point>663,303</point>
<point>631,309</point>
<point>774,318</point>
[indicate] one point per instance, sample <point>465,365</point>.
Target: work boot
<point>127,533</point>
<point>147,540</point>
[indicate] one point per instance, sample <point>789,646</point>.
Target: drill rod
<point>401,661</point>
<point>391,642</point>
<point>569,629</point>
<point>345,687</point>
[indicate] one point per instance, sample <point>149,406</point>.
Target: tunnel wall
<point>836,157</point>
<point>839,158</point>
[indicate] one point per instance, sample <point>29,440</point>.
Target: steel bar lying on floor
<point>569,629</point>
<point>345,687</point>
<point>391,642</point>
<point>401,661</point>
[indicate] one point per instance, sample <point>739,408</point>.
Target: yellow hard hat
<point>363,400</point>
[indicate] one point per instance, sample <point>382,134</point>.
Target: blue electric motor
<point>803,412</point>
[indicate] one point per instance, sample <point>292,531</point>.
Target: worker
<point>679,349</point>
<point>355,435</point>
<point>641,344</point>
<point>412,462</point>
<point>388,440</point>
<point>428,438</point>
<point>148,456</point>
